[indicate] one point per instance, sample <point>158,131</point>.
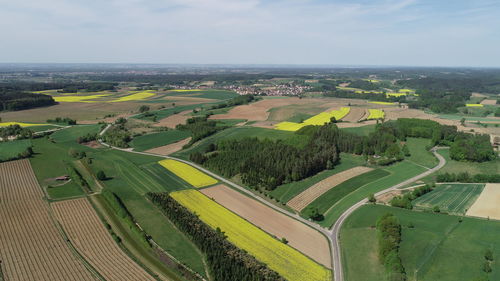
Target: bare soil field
<point>299,236</point>
<point>169,148</point>
<point>488,102</point>
<point>487,204</point>
<point>95,244</point>
<point>31,246</point>
<point>307,196</point>
<point>173,120</point>
<point>355,114</point>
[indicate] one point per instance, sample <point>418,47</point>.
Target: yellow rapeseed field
<point>188,173</point>
<point>136,96</point>
<point>288,262</point>
<point>79,98</point>
<point>395,94</point>
<point>318,119</point>
<point>406,91</point>
<point>375,114</point>
<point>289,126</point>
<point>382,102</point>
<point>5,124</point>
<point>474,105</point>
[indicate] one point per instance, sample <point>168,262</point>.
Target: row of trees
<point>405,200</point>
<point>11,100</point>
<point>15,130</point>
<point>389,238</point>
<point>239,100</point>
<point>62,120</point>
<point>226,261</point>
<point>466,177</point>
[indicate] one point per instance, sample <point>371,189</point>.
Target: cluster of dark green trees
<point>118,135</point>
<point>442,95</point>
<point>200,127</point>
<point>86,138</point>
<point>15,130</point>
<point>463,146</point>
<point>466,177</point>
<point>239,100</point>
<point>226,261</point>
<point>389,238</point>
<point>405,200</point>
<point>268,164</point>
<point>62,120</point>
<point>12,99</point>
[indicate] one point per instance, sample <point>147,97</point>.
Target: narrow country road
<point>332,235</point>
<point>335,231</point>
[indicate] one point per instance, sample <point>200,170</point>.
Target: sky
<point>336,32</point>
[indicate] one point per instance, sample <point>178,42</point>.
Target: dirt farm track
<point>31,246</point>
<point>94,243</point>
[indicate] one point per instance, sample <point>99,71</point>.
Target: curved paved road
<point>333,234</point>
<point>335,231</point>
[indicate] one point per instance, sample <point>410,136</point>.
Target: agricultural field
<point>398,172</point>
<point>285,260</point>
<point>203,93</point>
<point>71,134</point>
<point>434,247</point>
<point>22,124</point>
<point>153,140</point>
<point>170,148</point>
<point>93,241</point>
<point>374,114</point>
<point>32,246</point>
<point>285,192</point>
<point>11,149</point>
<point>332,196</point>
<point>299,236</point>
<point>452,166</point>
<point>130,177</point>
<point>419,153</point>
<point>299,202</point>
<point>81,98</point>
<point>454,199</point>
<point>487,205</point>
<point>188,173</point>
<point>319,119</point>
<point>135,96</point>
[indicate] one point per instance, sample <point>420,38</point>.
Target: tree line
<point>226,261</point>
<point>13,99</point>
<point>466,177</point>
<point>389,239</point>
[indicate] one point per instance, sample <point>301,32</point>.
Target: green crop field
<point>130,176</point>
<point>163,113</point>
<point>158,139</point>
<point>71,134</point>
<point>327,200</point>
<point>419,154</point>
<point>362,131</point>
<point>166,178</point>
<point>399,172</point>
<point>450,198</point>
<point>206,94</point>
<point>438,247</point>
<point>241,132</point>
<point>287,191</point>
<point>11,149</point>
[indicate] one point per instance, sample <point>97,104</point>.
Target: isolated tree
<point>101,175</point>
<point>284,241</point>
<point>371,198</point>
<point>143,108</point>
<point>487,267</point>
<point>406,151</point>
<point>488,255</point>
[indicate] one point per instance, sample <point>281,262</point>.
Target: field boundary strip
<point>306,197</point>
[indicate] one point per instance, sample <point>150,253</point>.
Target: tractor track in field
<point>331,234</point>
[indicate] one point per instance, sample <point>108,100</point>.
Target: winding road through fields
<point>331,234</point>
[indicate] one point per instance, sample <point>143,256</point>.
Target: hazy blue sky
<point>378,32</point>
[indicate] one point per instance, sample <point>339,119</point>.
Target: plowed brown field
<point>307,196</point>
<point>95,244</point>
<point>355,114</point>
<point>31,247</point>
<point>487,205</point>
<point>299,236</point>
<point>169,148</point>
<point>173,120</point>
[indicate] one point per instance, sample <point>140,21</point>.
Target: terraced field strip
<point>31,246</point>
<point>288,262</point>
<point>355,114</point>
<point>452,198</point>
<point>188,173</point>
<point>488,203</point>
<point>299,202</point>
<point>93,241</point>
<point>299,236</point>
